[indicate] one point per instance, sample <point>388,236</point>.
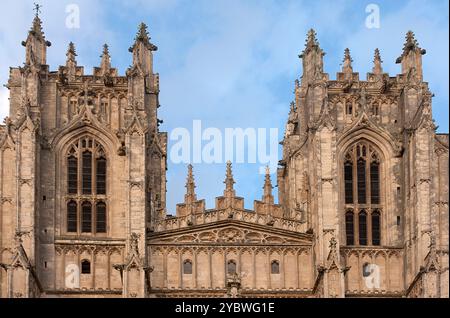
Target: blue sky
<point>233,63</point>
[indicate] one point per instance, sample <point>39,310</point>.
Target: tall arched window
<point>362,195</point>
<point>86,187</point>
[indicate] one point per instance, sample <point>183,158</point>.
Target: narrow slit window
<point>376,235</point>
<point>362,228</point>
<point>350,228</point>
<point>87,172</point>
<point>72,175</point>
<point>72,224</point>
<point>375,183</point>
<point>86,217</point>
<point>348,174</point>
<point>101,218</point>
<point>361,181</point>
<point>101,176</point>
<point>275,267</point>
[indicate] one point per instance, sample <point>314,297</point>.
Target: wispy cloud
<point>232,63</point>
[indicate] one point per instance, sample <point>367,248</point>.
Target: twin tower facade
<point>363,189</point>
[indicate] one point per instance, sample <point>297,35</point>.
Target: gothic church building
<point>363,189</point>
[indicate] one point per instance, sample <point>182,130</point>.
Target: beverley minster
<point>361,208</point>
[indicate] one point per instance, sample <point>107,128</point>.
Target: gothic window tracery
<point>362,195</point>
<point>86,188</point>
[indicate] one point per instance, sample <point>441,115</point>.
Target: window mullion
<point>368,179</point>
<point>94,172</point>
<point>79,219</point>
<point>79,169</point>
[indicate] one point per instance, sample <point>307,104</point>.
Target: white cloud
<point>230,63</point>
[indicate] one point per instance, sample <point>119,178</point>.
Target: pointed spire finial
<point>37,9</point>
<point>190,184</point>
<point>347,66</point>
<point>105,50</point>
<point>377,61</point>
<point>143,37</point>
<point>268,184</point>
<point>311,39</point>
<point>311,43</point>
<point>37,23</point>
<point>142,34</point>
<point>411,41</point>
<point>229,180</point>
<point>71,53</point>
<point>411,44</point>
<point>106,59</point>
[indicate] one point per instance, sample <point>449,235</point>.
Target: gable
<point>230,232</point>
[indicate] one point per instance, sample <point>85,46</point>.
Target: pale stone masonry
<point>363,189</point>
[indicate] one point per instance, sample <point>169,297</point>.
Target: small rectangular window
<point>85,267</point>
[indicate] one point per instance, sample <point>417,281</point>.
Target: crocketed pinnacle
<point>377,68</point>
<point>71,53</point>
<point>347,63</point>
<point>106,58</point>
<point>190,184</point>
<point>411,44</point>
<point>229,180</point>
<point>268,184</point>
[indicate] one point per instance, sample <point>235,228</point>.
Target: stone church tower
<point>363,189</point>
<point>82,173</point>
<point>364,167</point>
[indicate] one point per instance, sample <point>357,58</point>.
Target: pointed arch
<point>83,167</point>
<point>365,189</point>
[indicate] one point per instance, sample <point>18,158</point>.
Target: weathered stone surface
<point>317,242</point>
